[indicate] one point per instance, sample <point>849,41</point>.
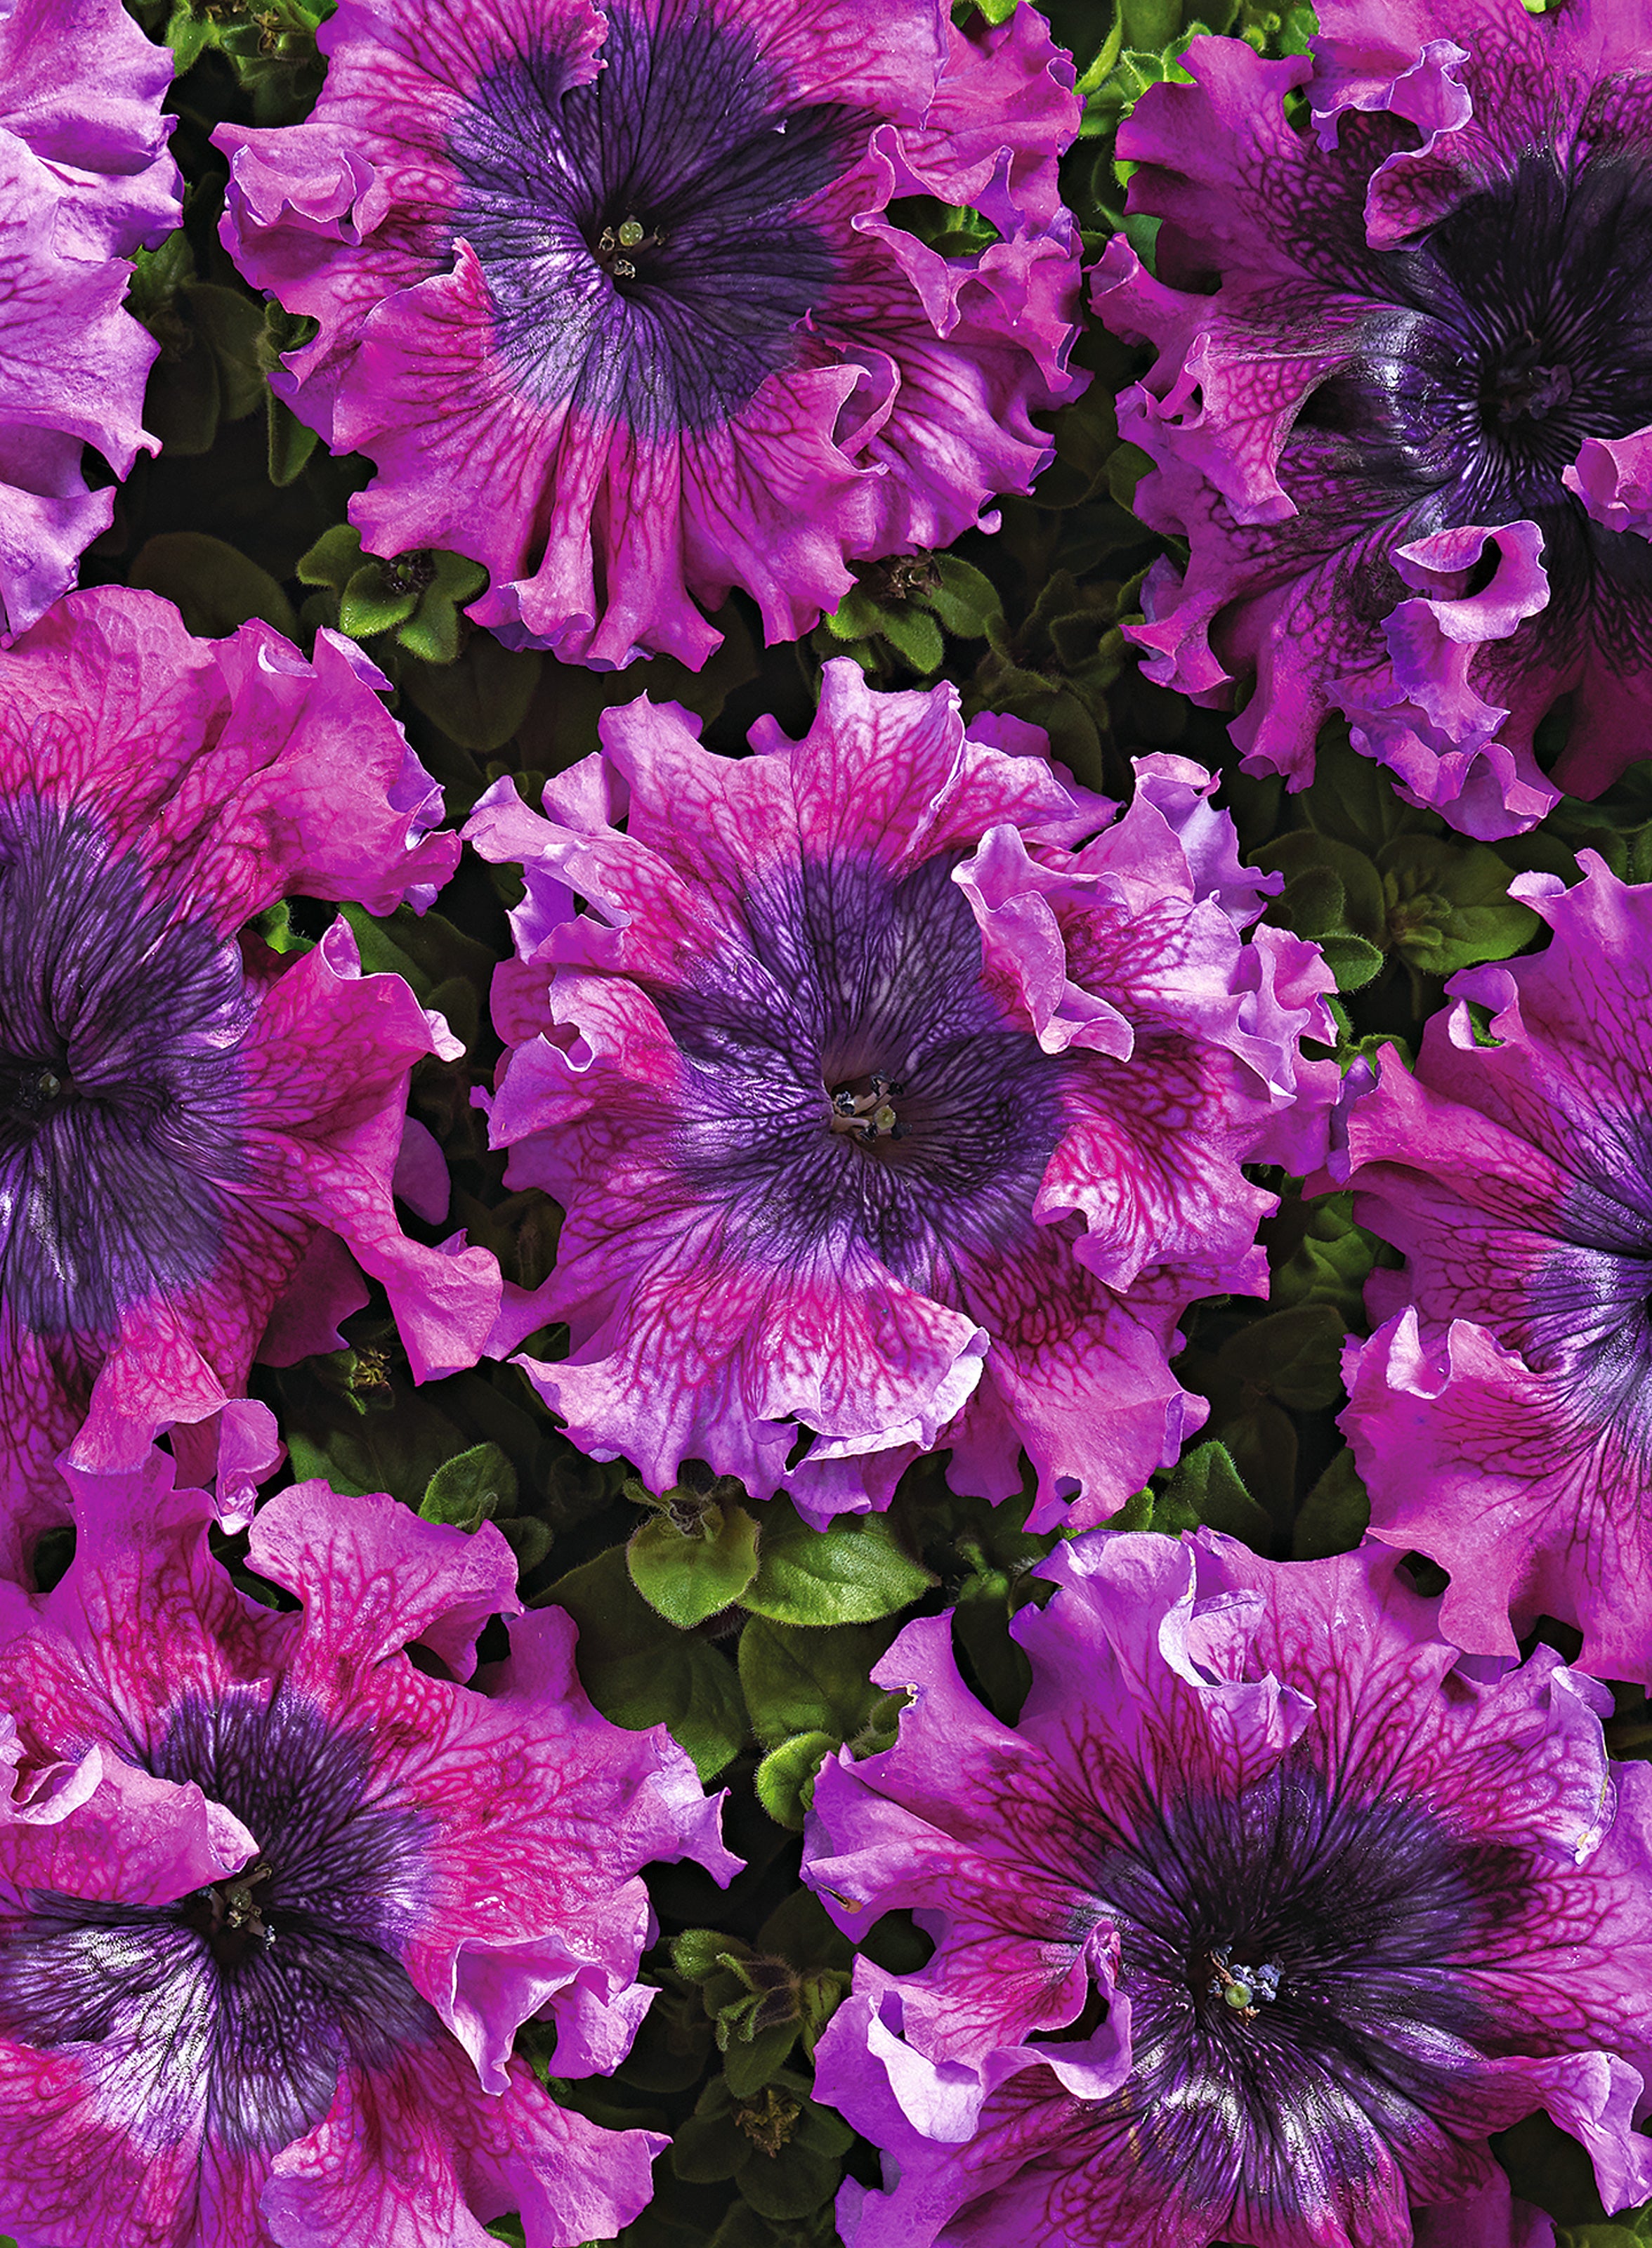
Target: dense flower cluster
<point>616,302</point>
<point>1408,438</point>
<point>879,1110</point>
<point>910,1223</point>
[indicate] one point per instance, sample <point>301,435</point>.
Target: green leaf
<point>1335,1514</point>
<point>640,1671</point>
<point>785,1778</point>
<point>1352,904</point>
<point>1295,1356</point>
<point>471,1488</point>
<point>687,1574</point>
<point>963,598</point>
<point>480,699</point>
<point>333,560</point>
<point>371,604</point>
<point>215,587</point>
<point>852,1573</point>
<point>913,633</point>
<point>1448,904</point>
<point>290,443</point>
<point>800,1681</point>
<point>1205,1487</point>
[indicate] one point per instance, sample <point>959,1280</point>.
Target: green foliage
<point>903,609</point>
<point>642,1671</point>
<point>412,602</point>
<point>808,1692</point>
<point>697,1551</point>
<point>215,587</point>
<point>470,1488</point>
<point>852,1572</point>
<point>783,2153</point>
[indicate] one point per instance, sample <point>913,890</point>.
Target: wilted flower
<point>1409,438</point>
<point>194,1127</point>
<point>1502,1416</point>
<point>880,1115</point>
<point>617,304</point>
<point>275,1898</point>
<point>1268,1911</point>
<point>83,149</point>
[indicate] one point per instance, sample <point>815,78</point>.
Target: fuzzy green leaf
<point>852,1573</point>
<point>687,1575</point>
<point>1205,1487</point>
<point>1448,904</point>
<point>798,1681</point>
<point>640,1671</point>
<point>480,699</point>
<point>333,560</point>
<point>1335,1513</point>
<point>471,1488</point>
<point>370,604</point>
<point>785,1778</point>
<point>963,598</point>
<point>215,587</point>
<point>1295,1356</point>
<point>913,633</point>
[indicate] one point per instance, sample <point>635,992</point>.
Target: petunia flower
<point>86,181</point>
<point>198,1135</point>
<point>1402,406</point>
<point>622,305</point>
<point>275,1898</point>
<point>1265,1913</point>
<point>1502,1412</point>
<point>882,1117</point>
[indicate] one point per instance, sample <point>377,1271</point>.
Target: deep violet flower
<point>197,1135</point>
<point>274,1901</point>
<point>878,1113</point>
<point>1266,1912</point>
<point>616,303</point>
<point>86,181</point>
<point>1409,438</point>
<point>1502,1413</point>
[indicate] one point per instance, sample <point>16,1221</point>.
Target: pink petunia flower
<point>619,304</point>
<point>1407,435</point>
<point>198,1135</point>
<point>1265,1913</point>
<point>882,1115</point>
<point>1501,1412</point>
<point>86,180</point>
<point>275,1899</point>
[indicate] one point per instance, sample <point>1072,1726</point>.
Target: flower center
<point>120,1086</point>
<point>1523,386</point>
<point>230,1914</point>
<point>869,1115</point>
<point>618,248</point>
<point>684,166</point>
<point>1242,1988</point>
<point>259,1986</point>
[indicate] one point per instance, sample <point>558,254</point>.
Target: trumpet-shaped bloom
<point>1502,1414</point>
<point>87,182</point>
<point>1409,437</point>
<point>193,1128</point>
<point>274,1901</point>
<point>1268,1911</point>
<point>620,305</point>
<point>879,1114</point>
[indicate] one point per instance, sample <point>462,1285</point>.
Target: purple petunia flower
<point>617,304</point>
<point>1266,1912</point>
<point>274,1900</point>
<point>194,1129</point>
<point>1500,1417</point>
<point>86,181</point>
<point>878,1113</point>
<point>1409,438</point>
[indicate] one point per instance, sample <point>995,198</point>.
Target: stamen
<point>869,1115</point>
<point>615,242</point>
<point>1241,1987</point>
